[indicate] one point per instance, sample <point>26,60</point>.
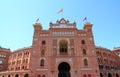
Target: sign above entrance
<point>58,60</point>
<point>62,26</point>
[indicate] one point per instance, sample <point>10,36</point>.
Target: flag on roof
<point>85,19</point>
<point>37,20</point>
<point>60,11</point>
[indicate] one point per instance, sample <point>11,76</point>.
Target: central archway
<point>109,75</point>
<point>64,70</point>
<point>101,75</point>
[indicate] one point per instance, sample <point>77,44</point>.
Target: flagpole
<point>37,20</point>
<point>60,11</point>
<point>85,19</point>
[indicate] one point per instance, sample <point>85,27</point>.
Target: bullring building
<point>61,51</point>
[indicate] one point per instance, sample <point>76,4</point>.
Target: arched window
<point>83,42</point>
<point>85,62</point>
<point>63,47</point>
<point>43,42</point>
<point>8,75</point>
<point>38,75</point>
<point>106,67</point>
<point>89,75</point>
<point>42,62</point>
<point>42,53</point>
<point>117,75</point>
<point>26,75</point>
<point>101,66</point>
<point>22,67</point>
<point>26,60</point>
<point>72,52</point>
<point>16,75</point>
<point>43,76</point>
<point>84,75</point>
<point>84,52</point>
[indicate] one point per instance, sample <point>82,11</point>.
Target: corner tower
<point>37,29</point>
<point>88,29</point>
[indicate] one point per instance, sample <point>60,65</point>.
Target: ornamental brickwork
<point>61,51</point>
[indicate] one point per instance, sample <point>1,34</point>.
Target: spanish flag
<point>85,19</point>
<point>60,11</point>
<point>37,20</point>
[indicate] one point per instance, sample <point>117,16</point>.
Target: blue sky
<point>18,16</point>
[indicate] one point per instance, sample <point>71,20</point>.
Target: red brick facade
<point>109,62</point>
<point>4,56</point>
<point>61,51</point>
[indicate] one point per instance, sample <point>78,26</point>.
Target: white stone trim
<point>86,69</point>
<point>42,69</point>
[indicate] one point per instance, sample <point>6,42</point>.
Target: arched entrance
<point>109,75</point>
<point>117,75</point>
<point>64,70</point>
<point>101,75</point>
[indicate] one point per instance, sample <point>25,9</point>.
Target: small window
<point>85,62</point>
<point>43,42</point>
<point>84,52</point>
<point>83,41</point>
<point>42,62</point>
<point>26,60</point>
<point>22,67</point>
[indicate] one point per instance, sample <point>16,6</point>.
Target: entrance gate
<point>64,70</point>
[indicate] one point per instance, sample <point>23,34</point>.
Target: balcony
<point>63,53</point>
